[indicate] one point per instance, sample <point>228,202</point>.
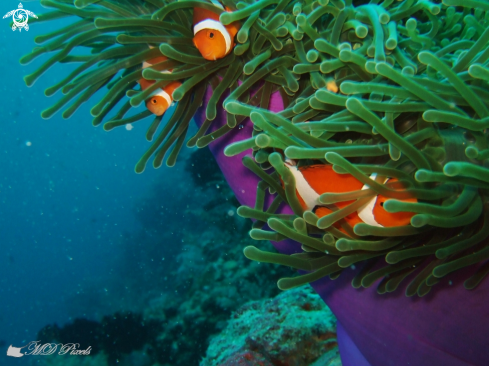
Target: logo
<point>14,351</point>
<point>36,348</point>
<point>20,17</point>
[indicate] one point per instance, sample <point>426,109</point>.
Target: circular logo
<point>20,18</point>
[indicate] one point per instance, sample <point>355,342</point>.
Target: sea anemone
<point>384,89</point>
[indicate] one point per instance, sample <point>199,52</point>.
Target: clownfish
<point>213,39</point>
<point>314,180</point>
<point>159,102</point>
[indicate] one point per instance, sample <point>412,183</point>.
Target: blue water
<point>70,232</point>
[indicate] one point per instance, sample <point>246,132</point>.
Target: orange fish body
<point>159,102</point>
<point>314,180</point>
<point>213,39</point>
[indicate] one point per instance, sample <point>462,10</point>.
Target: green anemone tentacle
<point>398,89</point>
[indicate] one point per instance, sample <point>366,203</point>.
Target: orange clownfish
<point>314,180</point>
<point>161,100</point>
<point>213,39</point>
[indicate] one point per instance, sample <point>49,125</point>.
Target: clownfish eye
<point>153,101</point>
<point>210,34</point>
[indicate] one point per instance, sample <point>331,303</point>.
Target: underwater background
<point>86,242</point>
<point>149,269</point>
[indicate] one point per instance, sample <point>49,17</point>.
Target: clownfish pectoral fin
<point>389,219</point>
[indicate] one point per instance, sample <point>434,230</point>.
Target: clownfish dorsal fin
<point>366,212</point>
<point>308,195</point>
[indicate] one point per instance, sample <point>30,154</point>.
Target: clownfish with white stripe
<point>213,39</point>
<point>314,180</point>
<point>162,99</point>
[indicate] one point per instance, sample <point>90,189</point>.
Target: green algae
<point>397,88</point>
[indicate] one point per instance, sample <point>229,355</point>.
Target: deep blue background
<point>67,202</point>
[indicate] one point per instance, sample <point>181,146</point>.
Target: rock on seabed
<point>295,328</point>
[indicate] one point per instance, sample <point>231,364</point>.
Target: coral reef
<point>295,328</point>
<point>213,280</point>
